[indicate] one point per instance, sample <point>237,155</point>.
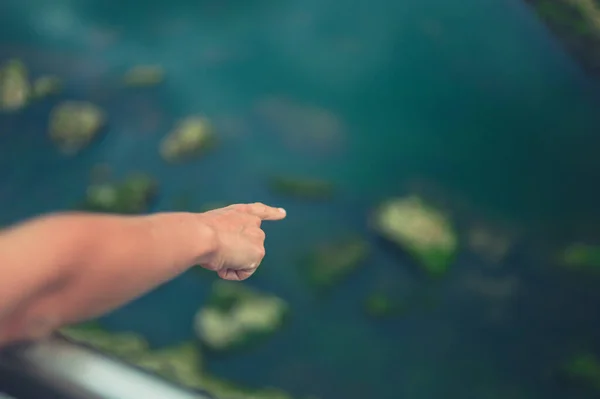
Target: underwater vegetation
<point>190,137</point>
<point>237,317</point>
<point>331,262</point>
<point>303,188</point>
<point>577,24</point>
<point>73,125</point>
<point>133,194</point>
<point>583,369</point>
<point>17,89</point>
<point>182,363</point>
<point>144,76</point>
<point>421,230</point>
<point>581,257</point>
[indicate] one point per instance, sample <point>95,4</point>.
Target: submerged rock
<point>45,86</point>
<point>237,316</point>
<point>332,262</point>
<point>306,188</point>
<point>74,124</point>
<point>133,194</point>
<point>421,230</point>
<point>15,89</point>
<point>144,76</point>
<point>191,137</point>
<point>581,257</point>
<point>381,305</point>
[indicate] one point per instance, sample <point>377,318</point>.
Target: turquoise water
<point>475,98</point>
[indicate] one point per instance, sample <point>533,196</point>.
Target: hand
<point>239,238</point>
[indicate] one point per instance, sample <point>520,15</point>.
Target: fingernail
<point>282,211</point>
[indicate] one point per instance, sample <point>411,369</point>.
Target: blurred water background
<point>473,103</point>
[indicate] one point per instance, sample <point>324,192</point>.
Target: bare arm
<point>63,268</point>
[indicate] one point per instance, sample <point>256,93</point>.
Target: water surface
<point>475,98</point>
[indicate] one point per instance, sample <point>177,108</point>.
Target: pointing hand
<point>239,239</point>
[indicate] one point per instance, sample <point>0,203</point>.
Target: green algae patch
<point>74,124</point>
<point>15,88</point>
<point>144,76</point>
<point>421,230</point>
<point>584,369</point>
<point>46,86</point>
<point>302,188</point>
<point>181,363</point>
<point>132,195</point>
<point>190,138</point>
<point>92,325</point>
<point>581,257</point>
<point>126,345</point>
<point>237,316</point>
<point>331,263</point>
<point>577,25</point>
<point>227,390</point>
<point>380,305</point>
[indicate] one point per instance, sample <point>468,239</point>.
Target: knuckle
<point>238,207</point>
<point>260,252</point>
<point>260,207</point>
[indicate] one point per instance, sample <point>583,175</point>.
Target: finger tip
<point>282,212</point>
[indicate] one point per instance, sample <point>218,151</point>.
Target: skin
<point>65,268</point>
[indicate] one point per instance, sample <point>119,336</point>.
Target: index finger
<point>265,212</point>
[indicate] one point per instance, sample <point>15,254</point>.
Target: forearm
<point>64,268</point>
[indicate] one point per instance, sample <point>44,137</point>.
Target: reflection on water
<point>330,109</point>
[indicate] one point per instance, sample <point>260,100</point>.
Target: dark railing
<point>59,369</point>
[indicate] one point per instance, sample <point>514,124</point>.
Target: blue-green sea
<point>473,102</point>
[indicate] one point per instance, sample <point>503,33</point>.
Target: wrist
<point>194,240</point>
<point>207,244</point>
